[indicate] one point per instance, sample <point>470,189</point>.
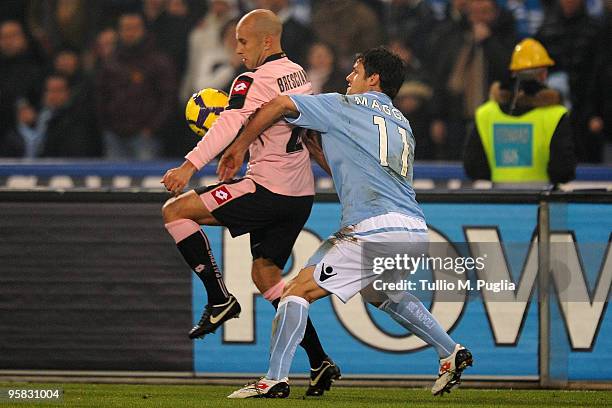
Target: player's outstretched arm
<point>231,161</point>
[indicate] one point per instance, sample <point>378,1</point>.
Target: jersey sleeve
<point>246,96</point>
<point>317,112</point>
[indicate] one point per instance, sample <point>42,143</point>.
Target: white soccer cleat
<point>263,388</point>
<point>451,368</point>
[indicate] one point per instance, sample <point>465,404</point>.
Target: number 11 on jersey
<point>383,147</point>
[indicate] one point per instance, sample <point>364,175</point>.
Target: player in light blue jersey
<point>368,146</point>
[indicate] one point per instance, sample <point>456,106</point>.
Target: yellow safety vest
<point>517,147</point>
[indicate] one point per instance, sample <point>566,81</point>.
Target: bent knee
<point>171,210</point>
<point>295,289</point>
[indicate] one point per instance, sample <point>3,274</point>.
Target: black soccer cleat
<point>322,378</point>
<point>214,316</point>
<point>451,369</point>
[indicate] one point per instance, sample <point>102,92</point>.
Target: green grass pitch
<point>179,396</point>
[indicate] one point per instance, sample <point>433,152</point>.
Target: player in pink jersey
<point>271,203</point>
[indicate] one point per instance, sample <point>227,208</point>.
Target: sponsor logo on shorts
<point>326,273</point>
<point>221,195</point>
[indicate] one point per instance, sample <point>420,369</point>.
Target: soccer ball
<point>203,109</point>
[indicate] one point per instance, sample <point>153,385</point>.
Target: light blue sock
<point>288,330</point>
<point>414,316</point>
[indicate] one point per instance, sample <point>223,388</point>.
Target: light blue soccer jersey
<point>369,147</point>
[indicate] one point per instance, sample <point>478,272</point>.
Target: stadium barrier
<point>56,174</point>
<point>91,282</point>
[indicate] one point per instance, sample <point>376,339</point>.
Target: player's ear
<point>374,80</point>
<point>267,42</point>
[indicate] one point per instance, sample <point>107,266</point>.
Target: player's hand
<point>177,178</point>
<point>230,163</point>
<point>311,141</point>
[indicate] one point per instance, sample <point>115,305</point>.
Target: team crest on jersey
<point>327,272</point>
<point>221,195</point>
<point>240,88</point>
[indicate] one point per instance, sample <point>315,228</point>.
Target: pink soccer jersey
<point>277,159</point>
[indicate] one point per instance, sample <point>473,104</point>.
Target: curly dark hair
<point>389,66</point>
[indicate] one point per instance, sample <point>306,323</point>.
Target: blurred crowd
<point>110,78</point>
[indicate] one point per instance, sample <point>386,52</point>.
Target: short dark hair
<point>389,66</point>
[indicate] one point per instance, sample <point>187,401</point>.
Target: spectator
<point>197,10</point>
<point>415,70</point>
<point>454,25</point>
<point>323,71</point>
<point>377,6</point>
<point>414,100</point>
<point>528,15</point>
<point>152,10</point>
<point>25,139</point>
<point>439,8</point>
<point>106,13</point>
<point>101,51</point>
<point>135,94</point>
<point>59,23</point>
<point>61,129</point>
<point>334,24</point>
<point>455,14</point>
<point>411,21</point>
<point>523,137</point>
<point>204,38</point>
<point>169,23</point>
<point>570,36</point>
<point>219,65</point>
<point>297,37</point>
<point>599,109</point>
<point>467,61</point>
<point>20,74</point>
<point>67,62</point>
<point>219,69</point>
<point>71,130</point>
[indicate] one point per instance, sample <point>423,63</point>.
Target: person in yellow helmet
<point>522,135</point>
